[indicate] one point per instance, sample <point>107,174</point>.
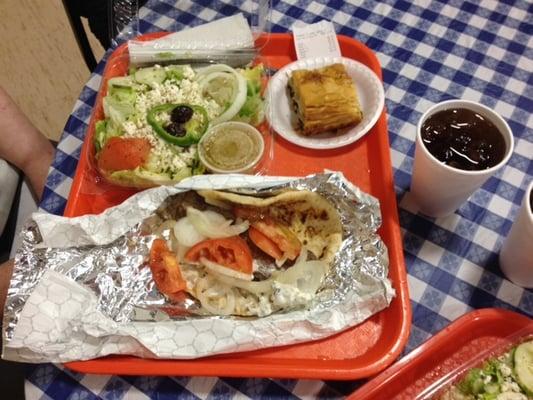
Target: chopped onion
<point>216,298</point>
<point>239,93</point>
<point>302,257</point>
<point>186,233</point>
<point>255,287</point>
<point>213,225</point>
<point>222,270</point>
<point>306,276</point>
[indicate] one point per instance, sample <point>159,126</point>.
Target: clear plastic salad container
<point>467,373</point>
<point>167,95</point>
<point>123,20</point>
<point>124,16</point>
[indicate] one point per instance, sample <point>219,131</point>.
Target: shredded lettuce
<point>100,134</point>
<point>103,131</point>
<point>486,383</point>
<point>252,112</point>
<point>174,73</point>
<point>116,110</point>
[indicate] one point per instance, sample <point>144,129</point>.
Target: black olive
<point>176,129</point>
<point>181,114</point>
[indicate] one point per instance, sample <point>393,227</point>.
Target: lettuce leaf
<point>252,111</point>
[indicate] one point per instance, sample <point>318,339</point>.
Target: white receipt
<point>315,40</point>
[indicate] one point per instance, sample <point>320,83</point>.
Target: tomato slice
<point>282,237</point>
<point>165,269</point>
<point>231,252</point>
<point>264,243</point>
<point>123,153</point>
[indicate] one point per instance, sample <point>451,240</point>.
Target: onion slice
<point>302,257</point>
<point>306,276</point>
<point>216,298</point>
<point>239,90</point>
<point>231,86</point>
<point>222,270</point>
<point>213,225</point>
<point>186,233</point>
<point>254,287</point>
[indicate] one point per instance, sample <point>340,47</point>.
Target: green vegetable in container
<point>252,111</point>
<point>507,377</point>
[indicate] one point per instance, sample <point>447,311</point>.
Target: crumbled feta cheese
<point>188,72</point>
<point>511,396</point>
<point>286,296</point>
<point>505,370</point>
<point>249,305</point>
<point>166,158</point>
<point>510,386</point>
<point>186,91</point>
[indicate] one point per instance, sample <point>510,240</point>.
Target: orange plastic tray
<point>453,347</point>
<point>358,352</point>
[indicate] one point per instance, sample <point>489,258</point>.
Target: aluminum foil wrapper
<point>79,291</point>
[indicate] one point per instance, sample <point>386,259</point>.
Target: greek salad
<point>507,377</point>
<point>155,116</point>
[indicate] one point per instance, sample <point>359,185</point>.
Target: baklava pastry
<point>324,99</point>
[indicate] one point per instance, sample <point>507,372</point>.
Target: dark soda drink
<point>463,139</point>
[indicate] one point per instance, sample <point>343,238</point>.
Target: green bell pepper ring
<point>194,129</point>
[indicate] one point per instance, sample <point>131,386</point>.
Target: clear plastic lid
<point>123,20</point>
<point>196,29</point>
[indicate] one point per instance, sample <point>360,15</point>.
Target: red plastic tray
<point>358,352</point>
<point>451,348</point>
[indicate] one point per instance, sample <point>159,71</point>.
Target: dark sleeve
<point>98,12</point>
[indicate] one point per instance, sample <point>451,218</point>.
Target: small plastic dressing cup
<point>439,189</point>
<point>231,147</point>
<point>516,255</point>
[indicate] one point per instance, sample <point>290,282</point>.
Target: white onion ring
<point>222,270</point>
<point>213,225</point>
<point>254,287</point>
<point>204,81</point>
<point>207,292</point>
<point>186,233</point>
<point>306,276</point>
<point>240,95</point>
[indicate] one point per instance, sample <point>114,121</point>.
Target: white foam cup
<point>516,255</point>
<point>439,189</point>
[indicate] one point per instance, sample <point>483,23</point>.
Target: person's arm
<point>6,270</point>
<point>23,145</point>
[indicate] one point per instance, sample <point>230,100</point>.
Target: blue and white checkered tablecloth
<point>430,50</point>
